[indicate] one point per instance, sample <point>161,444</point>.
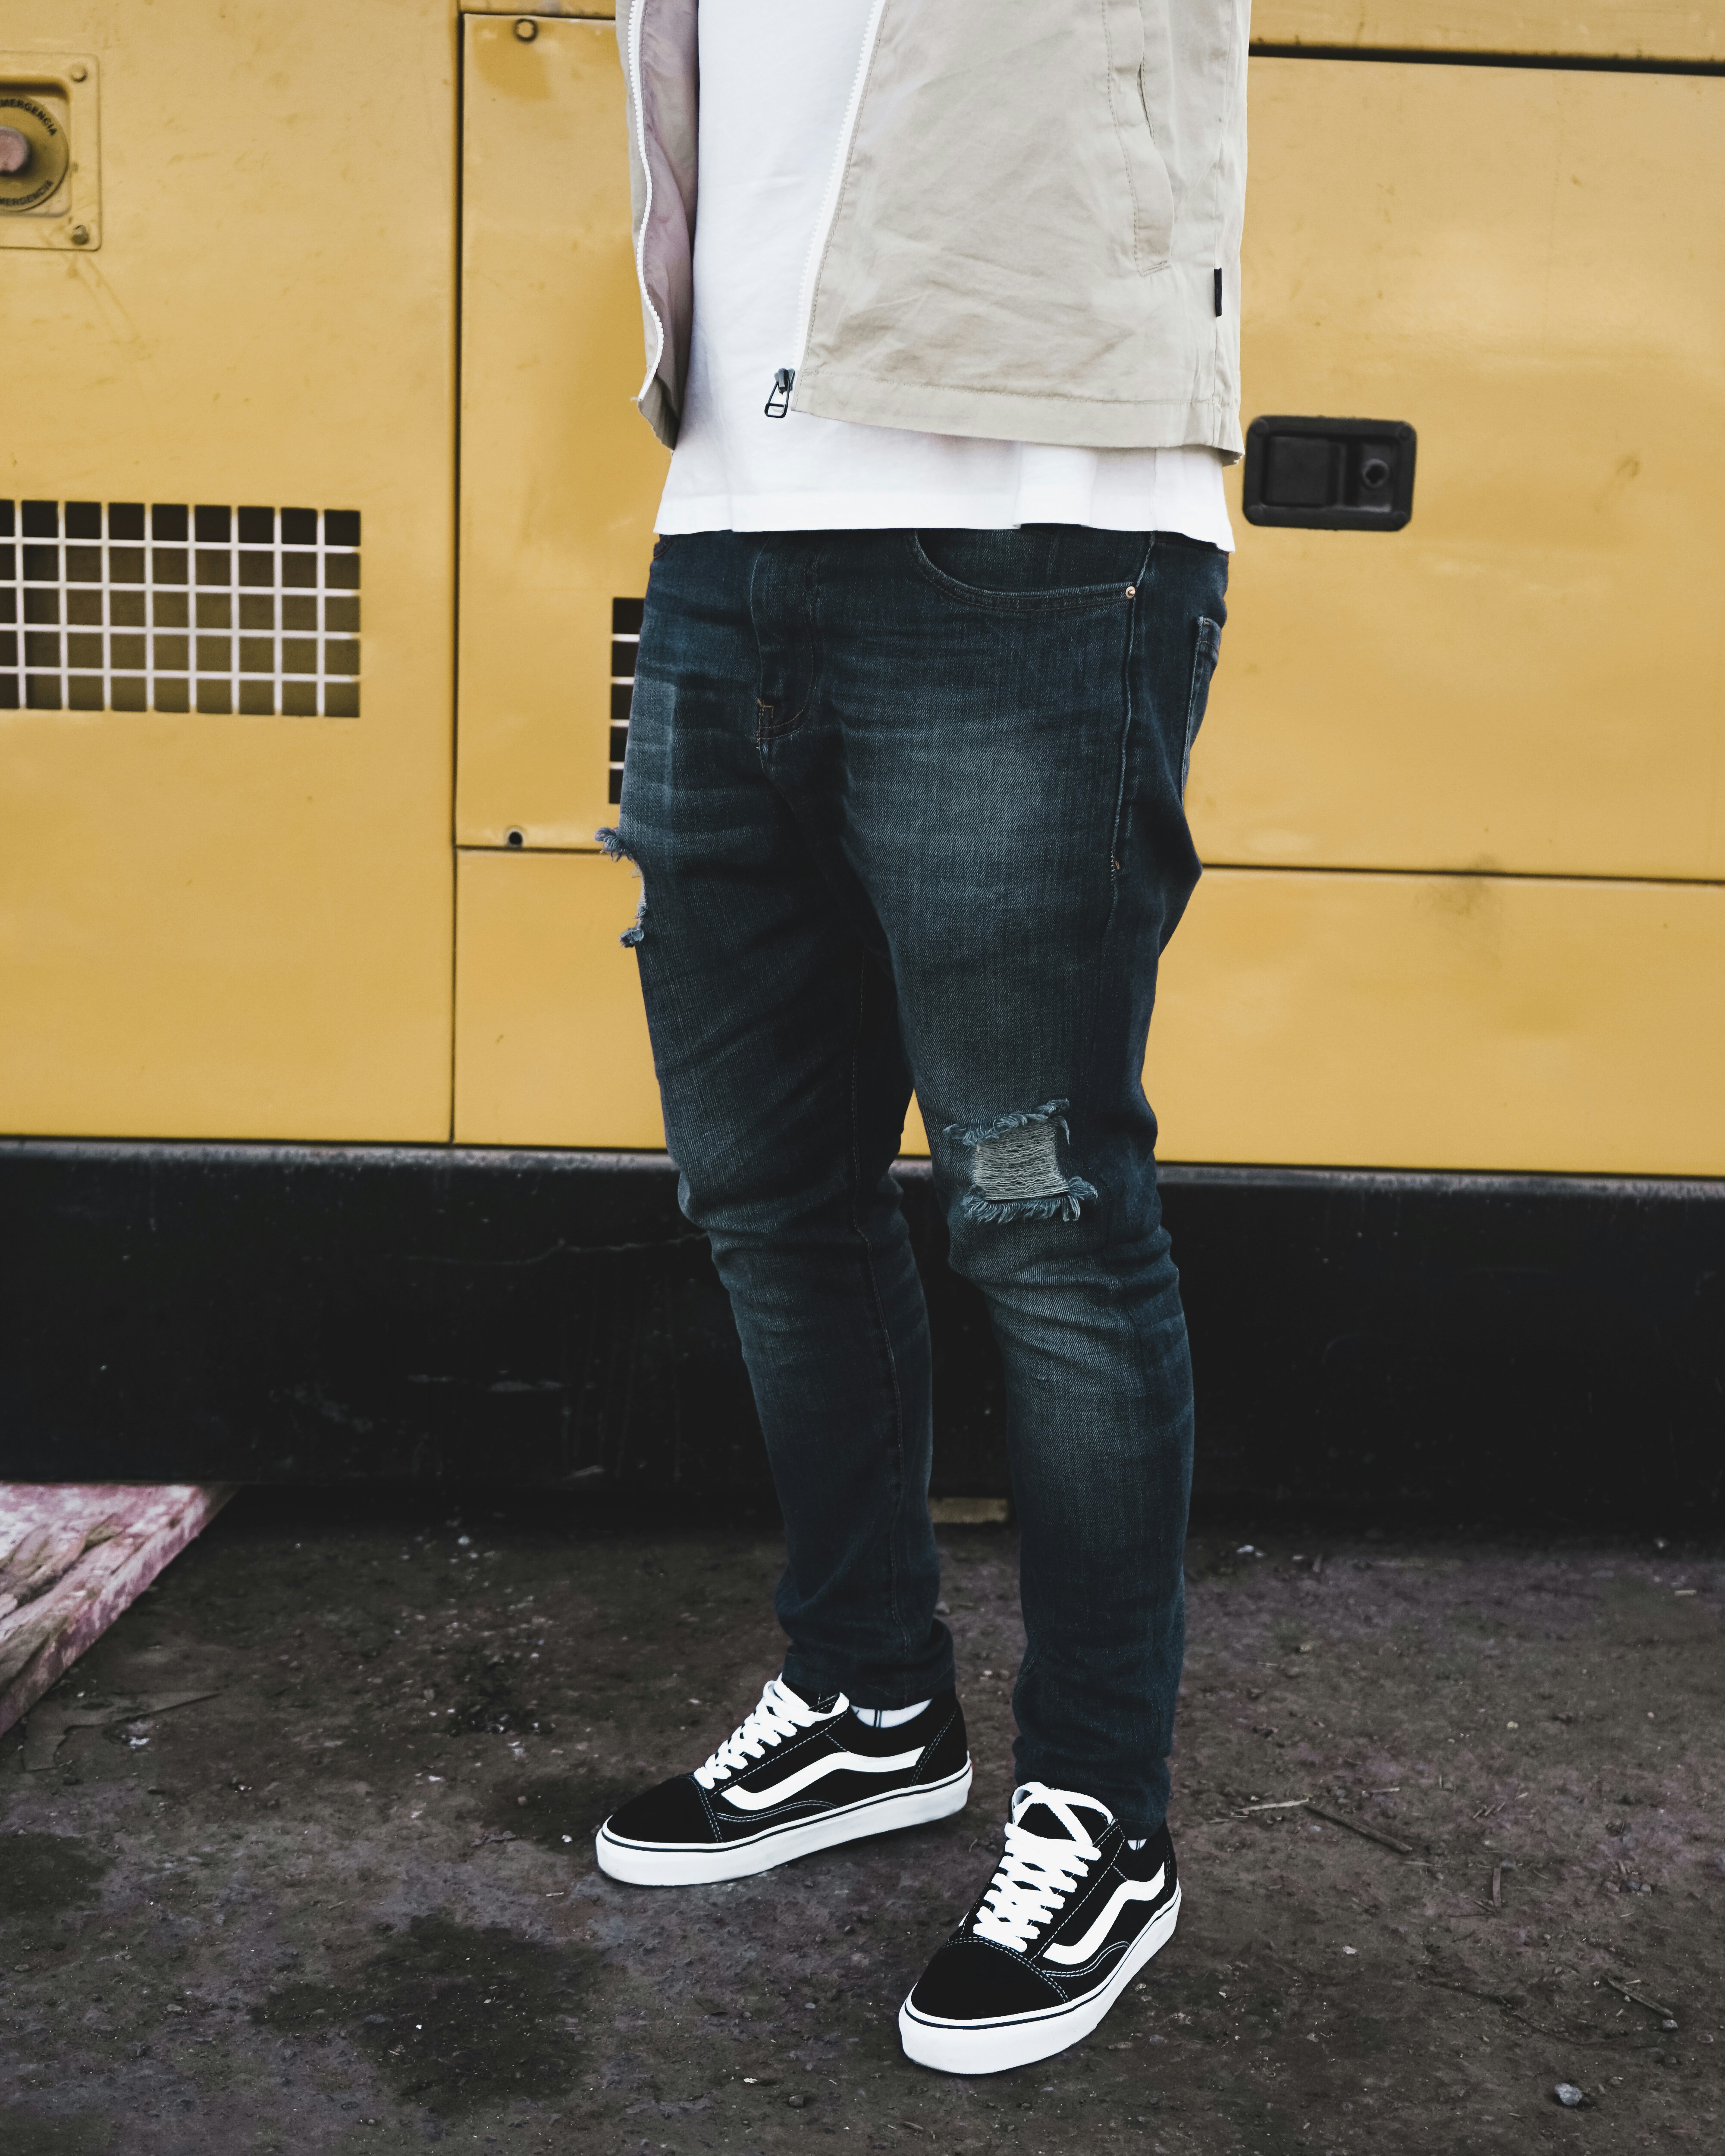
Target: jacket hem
<point>1061,420</point>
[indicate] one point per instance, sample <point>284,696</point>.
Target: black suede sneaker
<point>1069,1918</point>
<point>798,1775</point>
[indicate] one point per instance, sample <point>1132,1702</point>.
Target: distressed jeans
<point>906,808</point>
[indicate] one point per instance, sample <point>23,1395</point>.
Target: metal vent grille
<point>625,642</point>
<point>115,607</point>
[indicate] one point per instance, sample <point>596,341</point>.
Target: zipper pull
<point>779,402</point>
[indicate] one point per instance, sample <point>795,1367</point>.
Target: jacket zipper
<point>786,375</point>
<point>641,111</point>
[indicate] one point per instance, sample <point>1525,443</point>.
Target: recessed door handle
<point>1330,475</point>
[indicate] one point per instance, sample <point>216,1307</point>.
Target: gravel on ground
<point>1448,1807</point>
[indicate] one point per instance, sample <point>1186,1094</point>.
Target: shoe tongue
<point>1045,1821</point>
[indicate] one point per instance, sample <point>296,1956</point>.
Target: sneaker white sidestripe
<point>1129,1890</point>
<point>858,1763</point>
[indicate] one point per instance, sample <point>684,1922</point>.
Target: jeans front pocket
<point>1033,568</point>
<point>1207,650</point>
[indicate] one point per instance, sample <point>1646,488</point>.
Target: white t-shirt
<point>777,78</point>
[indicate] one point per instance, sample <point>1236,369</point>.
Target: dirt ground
<point>347,1902</point>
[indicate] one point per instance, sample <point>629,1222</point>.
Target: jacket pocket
<point>1148,187</point>
<point>1207,650</point>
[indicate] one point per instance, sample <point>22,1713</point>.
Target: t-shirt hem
<point>934,512</point>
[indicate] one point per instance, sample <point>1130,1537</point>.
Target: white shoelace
<point>1036,1875</point>
<point>780,1714</point>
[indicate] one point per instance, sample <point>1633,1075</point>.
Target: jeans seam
<point>1133,617</point>
<point>1207,645</point>
<point>767,729</point>
<point>1125,736</point>
<point>883,1330</point>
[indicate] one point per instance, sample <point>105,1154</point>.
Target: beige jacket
<point>1022,240</point>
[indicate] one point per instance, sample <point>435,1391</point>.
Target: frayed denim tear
<point>1015,1168</point>
<point>612,846</point>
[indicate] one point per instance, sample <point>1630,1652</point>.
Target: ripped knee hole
<point>1015,1168</point>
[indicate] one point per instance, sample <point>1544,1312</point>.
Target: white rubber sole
<point>701,1864</point>
<point>1019,2040</point>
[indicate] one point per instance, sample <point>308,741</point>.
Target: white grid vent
<point>119,607</point>
<point>625,642</point>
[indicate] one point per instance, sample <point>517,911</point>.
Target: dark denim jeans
<point>908,811</point>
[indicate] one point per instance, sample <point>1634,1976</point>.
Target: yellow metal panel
<point>1520,680</point>
<point>228,926</point>
<point>559,478</point>
<point>551,1040</point>
<point>1649,29</point>
<point>1529,677</point>
<point>1444,1022</point>
<point>1434,1022</point>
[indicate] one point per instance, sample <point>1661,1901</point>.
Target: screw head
<point>80,235</point>
<point>78,71</point>
<point>526,29</point>
<point>516,837</point>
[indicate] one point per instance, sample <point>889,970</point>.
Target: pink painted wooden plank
<point>73,1555</point>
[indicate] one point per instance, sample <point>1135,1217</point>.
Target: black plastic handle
<point>1330,475</point>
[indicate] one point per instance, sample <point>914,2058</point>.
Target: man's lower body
<point>906,808</point>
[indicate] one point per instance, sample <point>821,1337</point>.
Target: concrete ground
<point>347,1902</point>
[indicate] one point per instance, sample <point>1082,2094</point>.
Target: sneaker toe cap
<point>970,1981</point>
<point>673,1812</point>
